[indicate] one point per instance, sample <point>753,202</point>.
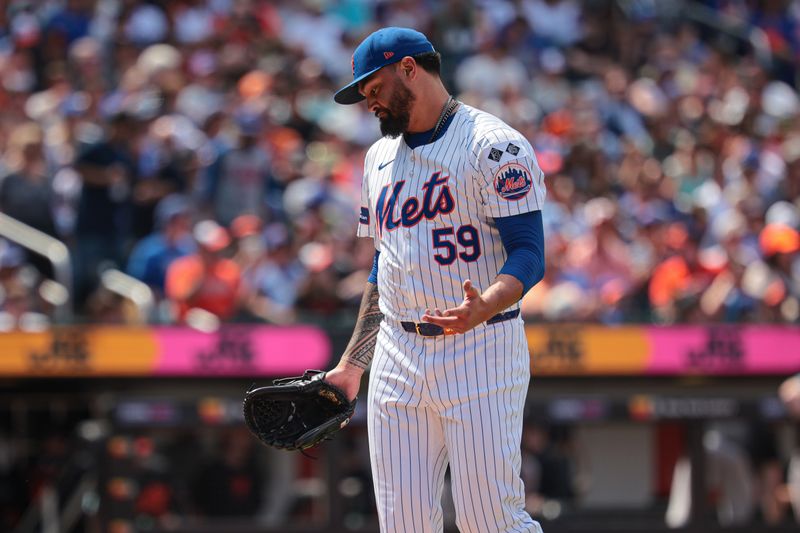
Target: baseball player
<point>452,197</point>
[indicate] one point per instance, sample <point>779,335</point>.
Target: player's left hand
<point>472,311</point>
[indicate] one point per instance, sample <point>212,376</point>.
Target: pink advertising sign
<point>241,351</point>
<point>727,349</point>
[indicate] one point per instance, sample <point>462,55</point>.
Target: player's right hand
<point>346,377</point>
<point>471,312</point>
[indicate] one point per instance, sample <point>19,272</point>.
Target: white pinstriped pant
<point>454,399</point>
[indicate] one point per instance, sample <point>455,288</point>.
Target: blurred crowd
<point>195,145</point>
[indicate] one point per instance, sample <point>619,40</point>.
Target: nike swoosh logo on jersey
<point>383,165</point>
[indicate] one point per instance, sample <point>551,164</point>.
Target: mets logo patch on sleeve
<point>512,181</point>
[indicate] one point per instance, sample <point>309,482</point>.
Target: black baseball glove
<point>297,413</point>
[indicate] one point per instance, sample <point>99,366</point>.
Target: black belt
<point>426,329</point>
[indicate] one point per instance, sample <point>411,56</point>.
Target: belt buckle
<point>416,326</point>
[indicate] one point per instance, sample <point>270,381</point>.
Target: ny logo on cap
<point>387,55</point>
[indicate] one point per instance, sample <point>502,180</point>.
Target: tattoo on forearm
<point>362,344</point>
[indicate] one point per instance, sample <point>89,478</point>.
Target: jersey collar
<point>415,140</point>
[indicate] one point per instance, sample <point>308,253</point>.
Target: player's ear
<point>407,67</point>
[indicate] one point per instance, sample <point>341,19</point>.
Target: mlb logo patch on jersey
<point>512,149</point>
<point>495,154</point>
<point>363,217</point>
<point>512,181</point>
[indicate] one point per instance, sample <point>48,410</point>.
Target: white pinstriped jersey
<point>447,399</point>
<point>431,210</point>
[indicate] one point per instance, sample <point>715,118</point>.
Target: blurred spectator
<point>789,393</point>
<point>172,239</point>
<point>106,307</point>
<point>781,247</point>
<point>302,19</point>
<point>215,146</point>
<point>768,469</point>
<point>728,474</point>
<point>108,172</point>
<point>238,178</point>
<point>205,280</point>
<point>491,72</point>
<point>68,23</point>
<point>144,22</point>
<point>555,22</point>
<point>547,468</point>
<point>672,284</point>
<point>548,87</point>
<point>598,261</point>
<point>455,30</point>
<point>249,246</point>
<point>193,21</point>
<point>21,306</point>
<point>230,484</point>
<point>26,191</point>
<point>162,163</point>
<point>279,279</point>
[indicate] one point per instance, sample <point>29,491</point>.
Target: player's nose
<point>372,104</point>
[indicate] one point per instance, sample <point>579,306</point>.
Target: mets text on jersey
<point>410,212</point>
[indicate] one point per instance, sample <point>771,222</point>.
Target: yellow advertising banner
<point>260,350</point>
<point>77,351</point>
<point>568,350</point>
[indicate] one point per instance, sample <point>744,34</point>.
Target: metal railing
<point>137,292</point>
<point>57,253</point>
<point>53,250</point>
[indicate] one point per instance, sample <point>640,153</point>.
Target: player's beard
<point>398,115</point>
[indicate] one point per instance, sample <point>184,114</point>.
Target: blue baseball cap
<point>383,47</point>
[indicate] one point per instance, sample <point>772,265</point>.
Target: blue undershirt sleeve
<point>523,240</point>
<point>373,276</point>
